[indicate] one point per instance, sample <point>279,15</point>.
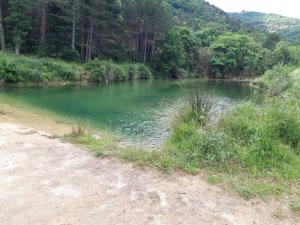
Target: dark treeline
<point>176,38</point>
<point>114,29</point>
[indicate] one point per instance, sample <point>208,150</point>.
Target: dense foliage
<point>35,70</point>
<point>175,38</point>
<point>257,145</point>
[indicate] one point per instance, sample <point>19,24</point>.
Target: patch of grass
<point>295,206</point>
<point>214,179</point>
<point>193,148</point>
<point>102,146</point>
<point>245,192</point>
<point>248,186</point>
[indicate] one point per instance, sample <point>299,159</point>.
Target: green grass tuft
<point>295,206</point>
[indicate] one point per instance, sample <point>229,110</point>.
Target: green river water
<point>139,111</point>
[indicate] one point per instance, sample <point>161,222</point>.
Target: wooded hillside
<point>177,38</point>
<point>285,26</point>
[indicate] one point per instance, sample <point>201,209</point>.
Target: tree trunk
<point>17,47</point>
<point>137,47</point>
<point>145,47</point>
<point>90,41</point>
<point>42,25</point>
<point>87,46</point>
<point>82,42</point>
<point>73,24</point>
<point>154,42</point>
<point>2,35</point>
<point>17,50</point>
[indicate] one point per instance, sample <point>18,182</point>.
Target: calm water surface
<point>139,111</point>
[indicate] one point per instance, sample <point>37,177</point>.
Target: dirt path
<point>46,182</point>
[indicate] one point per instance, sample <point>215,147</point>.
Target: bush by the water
<point>16,69</point>
<point>107,71</point>
<point>276,80</point>
<point>258,139</point>
<point>25,69</point>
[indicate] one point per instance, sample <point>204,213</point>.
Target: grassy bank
<point>25,69</point>
<point>255,148</point>
<point>258,146</point>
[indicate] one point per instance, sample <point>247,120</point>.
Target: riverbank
<point>253,149</point>
<point>77,188</point>
<point>36,119</point>
<point>35,71</point>
<point>182,152</point>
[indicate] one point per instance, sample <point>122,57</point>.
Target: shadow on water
<point>136,110</point>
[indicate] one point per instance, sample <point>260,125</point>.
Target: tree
<point>204,58</point>
<point>171,58</point>
<point>42,24</point>
<point>191,44</point>
<point>74,4</point>
<point>282,53</point>
<point>236,55</point>
<point>2,35</point>
<point>18,22</point>
<point>145,22</point>
<point>272,40</point>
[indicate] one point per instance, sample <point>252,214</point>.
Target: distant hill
<point>286,26</point>
<point>199,13</point>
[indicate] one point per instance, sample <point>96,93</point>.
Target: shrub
<point>276,80</point>
<point>133,71</point>
<point>8,72</point>
<point>107,71</point>
<point>199,102</point>
<point>70,55</point>
<point>37,70</point>
<point>97,69</point>
<point>261,139</point>
<point>120,73</point>
<point>144,72</point>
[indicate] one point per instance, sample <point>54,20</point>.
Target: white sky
<point>289,8</point>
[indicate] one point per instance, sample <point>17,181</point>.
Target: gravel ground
<point>44,181</point>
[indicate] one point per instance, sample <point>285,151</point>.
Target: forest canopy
<point>175,38</point>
